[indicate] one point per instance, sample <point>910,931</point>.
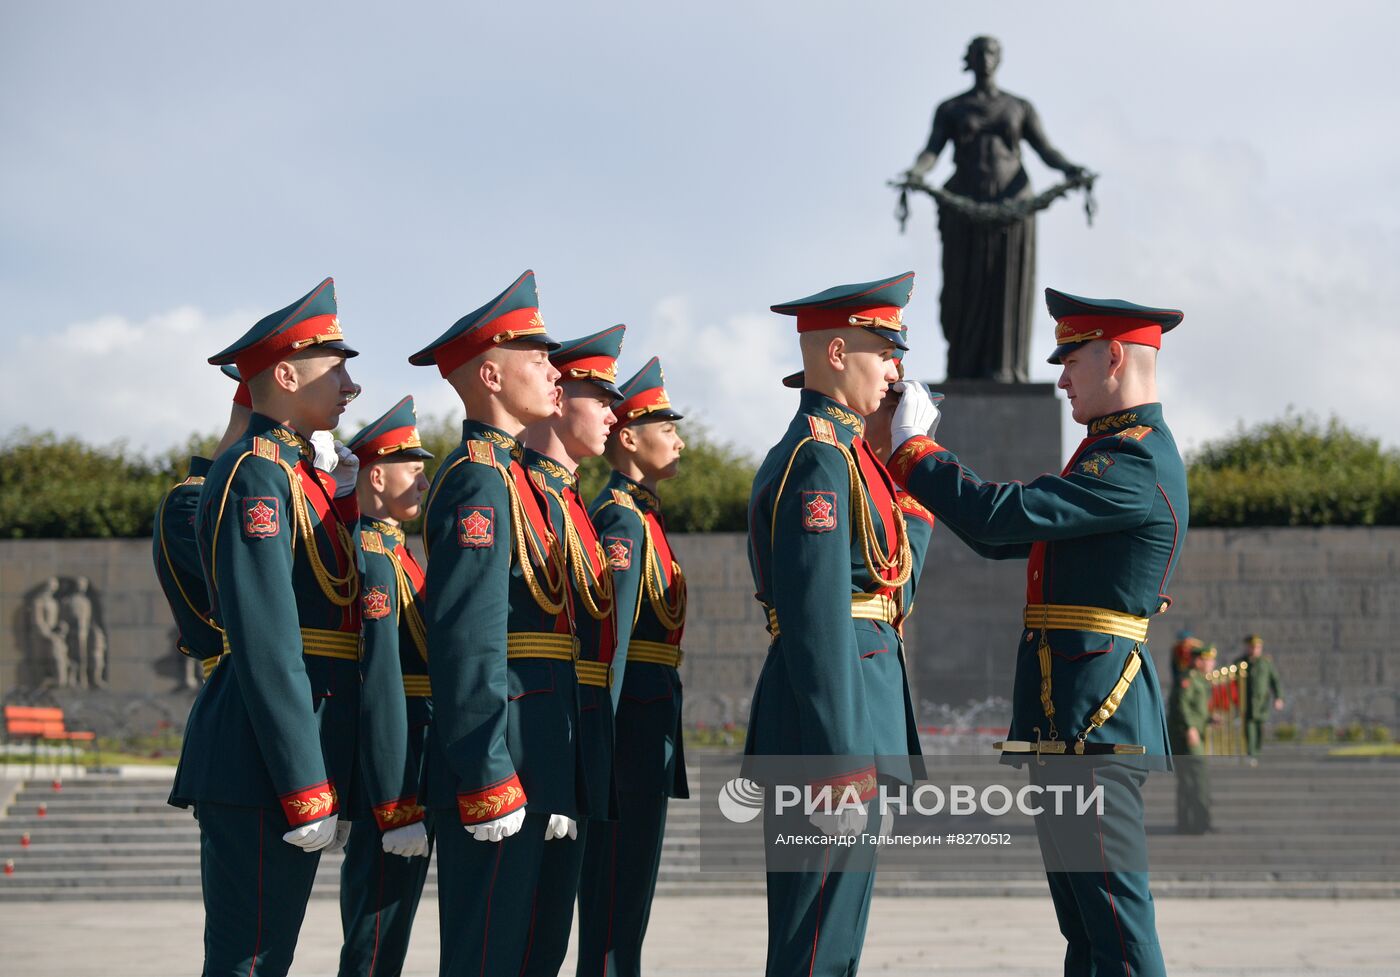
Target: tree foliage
<point>1296,471</point>
<point>63,488</point>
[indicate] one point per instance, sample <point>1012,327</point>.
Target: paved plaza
<point>723,937</point>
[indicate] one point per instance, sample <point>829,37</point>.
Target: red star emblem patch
<point>619,551</point>
<point>818,511</point>
<point>476,526</point>
<point>260,517</point>
<point>375,603</point>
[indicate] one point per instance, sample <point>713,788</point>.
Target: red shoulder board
<point>480,452</point>
<point>266,448</point>
<point>1136,433</point>
<point>623,499</point>
<point>371,541</point>
<point>822,430</point>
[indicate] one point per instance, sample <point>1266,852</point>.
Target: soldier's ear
<point>627,438</point>
<point>836,353</point>
<point>284,376</point>
<point>1117,358</point>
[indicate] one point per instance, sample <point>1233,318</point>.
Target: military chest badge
<point>1096,464</point>
<point>260,517</point>
<point>818,511</point>
<point>619,550</point>
<point>376,603</point>
<point>476,526</point>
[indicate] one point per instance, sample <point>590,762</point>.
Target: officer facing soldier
<point>1101,540</point>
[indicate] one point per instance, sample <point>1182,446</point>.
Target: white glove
<point>342,835</point>
<point>347,470</point>
<point>559,826</point>
<point>916,415</point>
<point>324,444</point>
<point>410,841</point>
<point>313,836</point>
<point>499,829</point>
<point>849,821</point>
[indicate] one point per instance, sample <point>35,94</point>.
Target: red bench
<point>43,724</point>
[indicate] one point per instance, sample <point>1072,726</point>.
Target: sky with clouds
<point>173,171</point>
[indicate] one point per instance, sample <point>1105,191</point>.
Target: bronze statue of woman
<point>988,268</point>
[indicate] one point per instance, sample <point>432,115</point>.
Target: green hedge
<point>1296,471</point>
<point>61,488</point>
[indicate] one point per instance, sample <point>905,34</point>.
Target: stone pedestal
<point>961,641</point>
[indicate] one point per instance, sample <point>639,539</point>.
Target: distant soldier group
<point>515,703</point>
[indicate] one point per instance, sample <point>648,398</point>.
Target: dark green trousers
<point>1106,914</point>
<point>379,896</point>
<point>620,865</point>
<point>561,865</point>
<point>486,893</point>
<point>817,918</point>
<point>255,890</point>
<point>1254,735</point>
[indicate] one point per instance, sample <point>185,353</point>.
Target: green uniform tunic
<point>379,892</point>
<point>833,690</point>
<point>1262,687</point>
<point>271,739</point>
<point>505,720</point>
<point>175,549</point>
<point>1189,708</point>
<point>1105,533</point>
<point>623,857</point>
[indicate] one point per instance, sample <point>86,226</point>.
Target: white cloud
<point>113,378</point>
<point>726,374</point>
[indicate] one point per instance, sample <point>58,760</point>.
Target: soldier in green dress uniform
<point>830,552</point>
<point>386,858</point>
<point>1188,714</point>
<point>270,744</point>
<point>554,448</point>
<point>1263,691</point>
<point>622,858</point>
<point>502,777</point>
<point>175,548</point>
<point>1101,539</point>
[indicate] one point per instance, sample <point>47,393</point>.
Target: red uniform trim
<point>260,356</point>
<point>816,320</point>
<point>523,323</point>
<point>490,803</point>
<point>862,780</point>
<point>310,803</point>
<point>398,813</point>
<point>910,453</point>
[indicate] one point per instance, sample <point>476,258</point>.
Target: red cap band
<point>397,439</point>
<point>641,404</point>
<point>309,332</point>
<point>242,396</point>
<point>1085,328</point>
<point>518,324</point>
<point>879,316</point>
